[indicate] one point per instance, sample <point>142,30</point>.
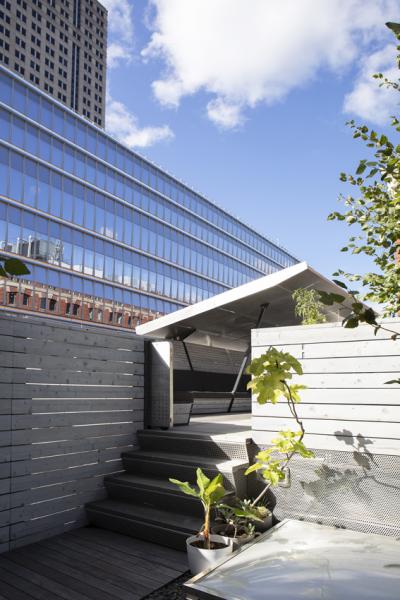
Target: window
<point>75,309</point>
<point>43,303</point>
<point>12,296</point>
<point>25,300</point>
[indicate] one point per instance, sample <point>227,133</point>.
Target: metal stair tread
<point>151,482</point>
<point>149,514</point>
<point>196,460</point>
<point>203,437</point>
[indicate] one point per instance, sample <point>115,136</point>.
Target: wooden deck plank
<point>73,567</point>
<point>96,565</point>
<point>24,586</point>
<point>141,548</point>
<point>12,593</point>
<point>21,579</point>
<point>121,560</point>
<point>88,564</point>
<point>55,575</point>
<point>56,589</point>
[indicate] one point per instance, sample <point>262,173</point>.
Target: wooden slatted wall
<point>347,405</point>
<point>71,400</point>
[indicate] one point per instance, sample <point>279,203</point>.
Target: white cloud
<point>116,54</point>
<point>369,101</point>
<point>124,126</point>
<point>243,53</point>
<point>120,32</point>
<point>223,114</point>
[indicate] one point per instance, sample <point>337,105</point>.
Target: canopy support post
<point>246,357</point>
<point>187,355</point>
<point>182,338</point>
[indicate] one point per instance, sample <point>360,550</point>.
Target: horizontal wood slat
<point>330,442</point>
<point>76,363</point>
<point>71,401</point>
<point>388,395</point>
<point>327,332</point>
<point>368,429</point>
<point>347,397</point>
<point>361,412</point>
<point>59,376</point>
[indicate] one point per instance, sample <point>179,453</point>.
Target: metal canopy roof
<point>226,320</point>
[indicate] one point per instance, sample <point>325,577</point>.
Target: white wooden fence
<point>347,402</point>
<point>352,422</point>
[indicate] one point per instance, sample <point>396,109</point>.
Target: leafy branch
<point>376,214</point>
<point>272,373</point>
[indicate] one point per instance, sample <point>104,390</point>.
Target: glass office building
<point>108,236</point>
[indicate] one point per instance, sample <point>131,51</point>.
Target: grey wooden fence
<point>352,420</point>
<point>71,400</point>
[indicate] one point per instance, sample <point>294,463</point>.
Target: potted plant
<point>237,522</point>
<point>205,549</point>
<point>265,517</point>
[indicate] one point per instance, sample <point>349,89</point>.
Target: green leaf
<point>351,323</point>
<point>395,27</point>
<point>255,467</point>
<point>14,266</point>
<point>340,283</point>
<point>202,481</point>
<point>185,487</point>
<point>361,168</point>
<point>369,316</point>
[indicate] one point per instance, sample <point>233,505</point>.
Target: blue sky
<point>250,109</point>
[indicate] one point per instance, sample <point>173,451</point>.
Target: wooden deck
<point>88,564</point>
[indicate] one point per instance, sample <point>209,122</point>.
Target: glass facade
<point>107,235</point>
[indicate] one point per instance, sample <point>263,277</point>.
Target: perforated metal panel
<point>354,490</point>
<point>211,447</point>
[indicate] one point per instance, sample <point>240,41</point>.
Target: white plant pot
<point>200,558</point>
<point>236,541</point>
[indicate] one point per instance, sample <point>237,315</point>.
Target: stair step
<point>163,465</point>
<point>192,460</point>
<point>144,522</point>
<point>148,491</point>
<point>194,443</point>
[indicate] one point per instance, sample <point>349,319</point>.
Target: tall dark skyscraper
<point>59,46</point>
